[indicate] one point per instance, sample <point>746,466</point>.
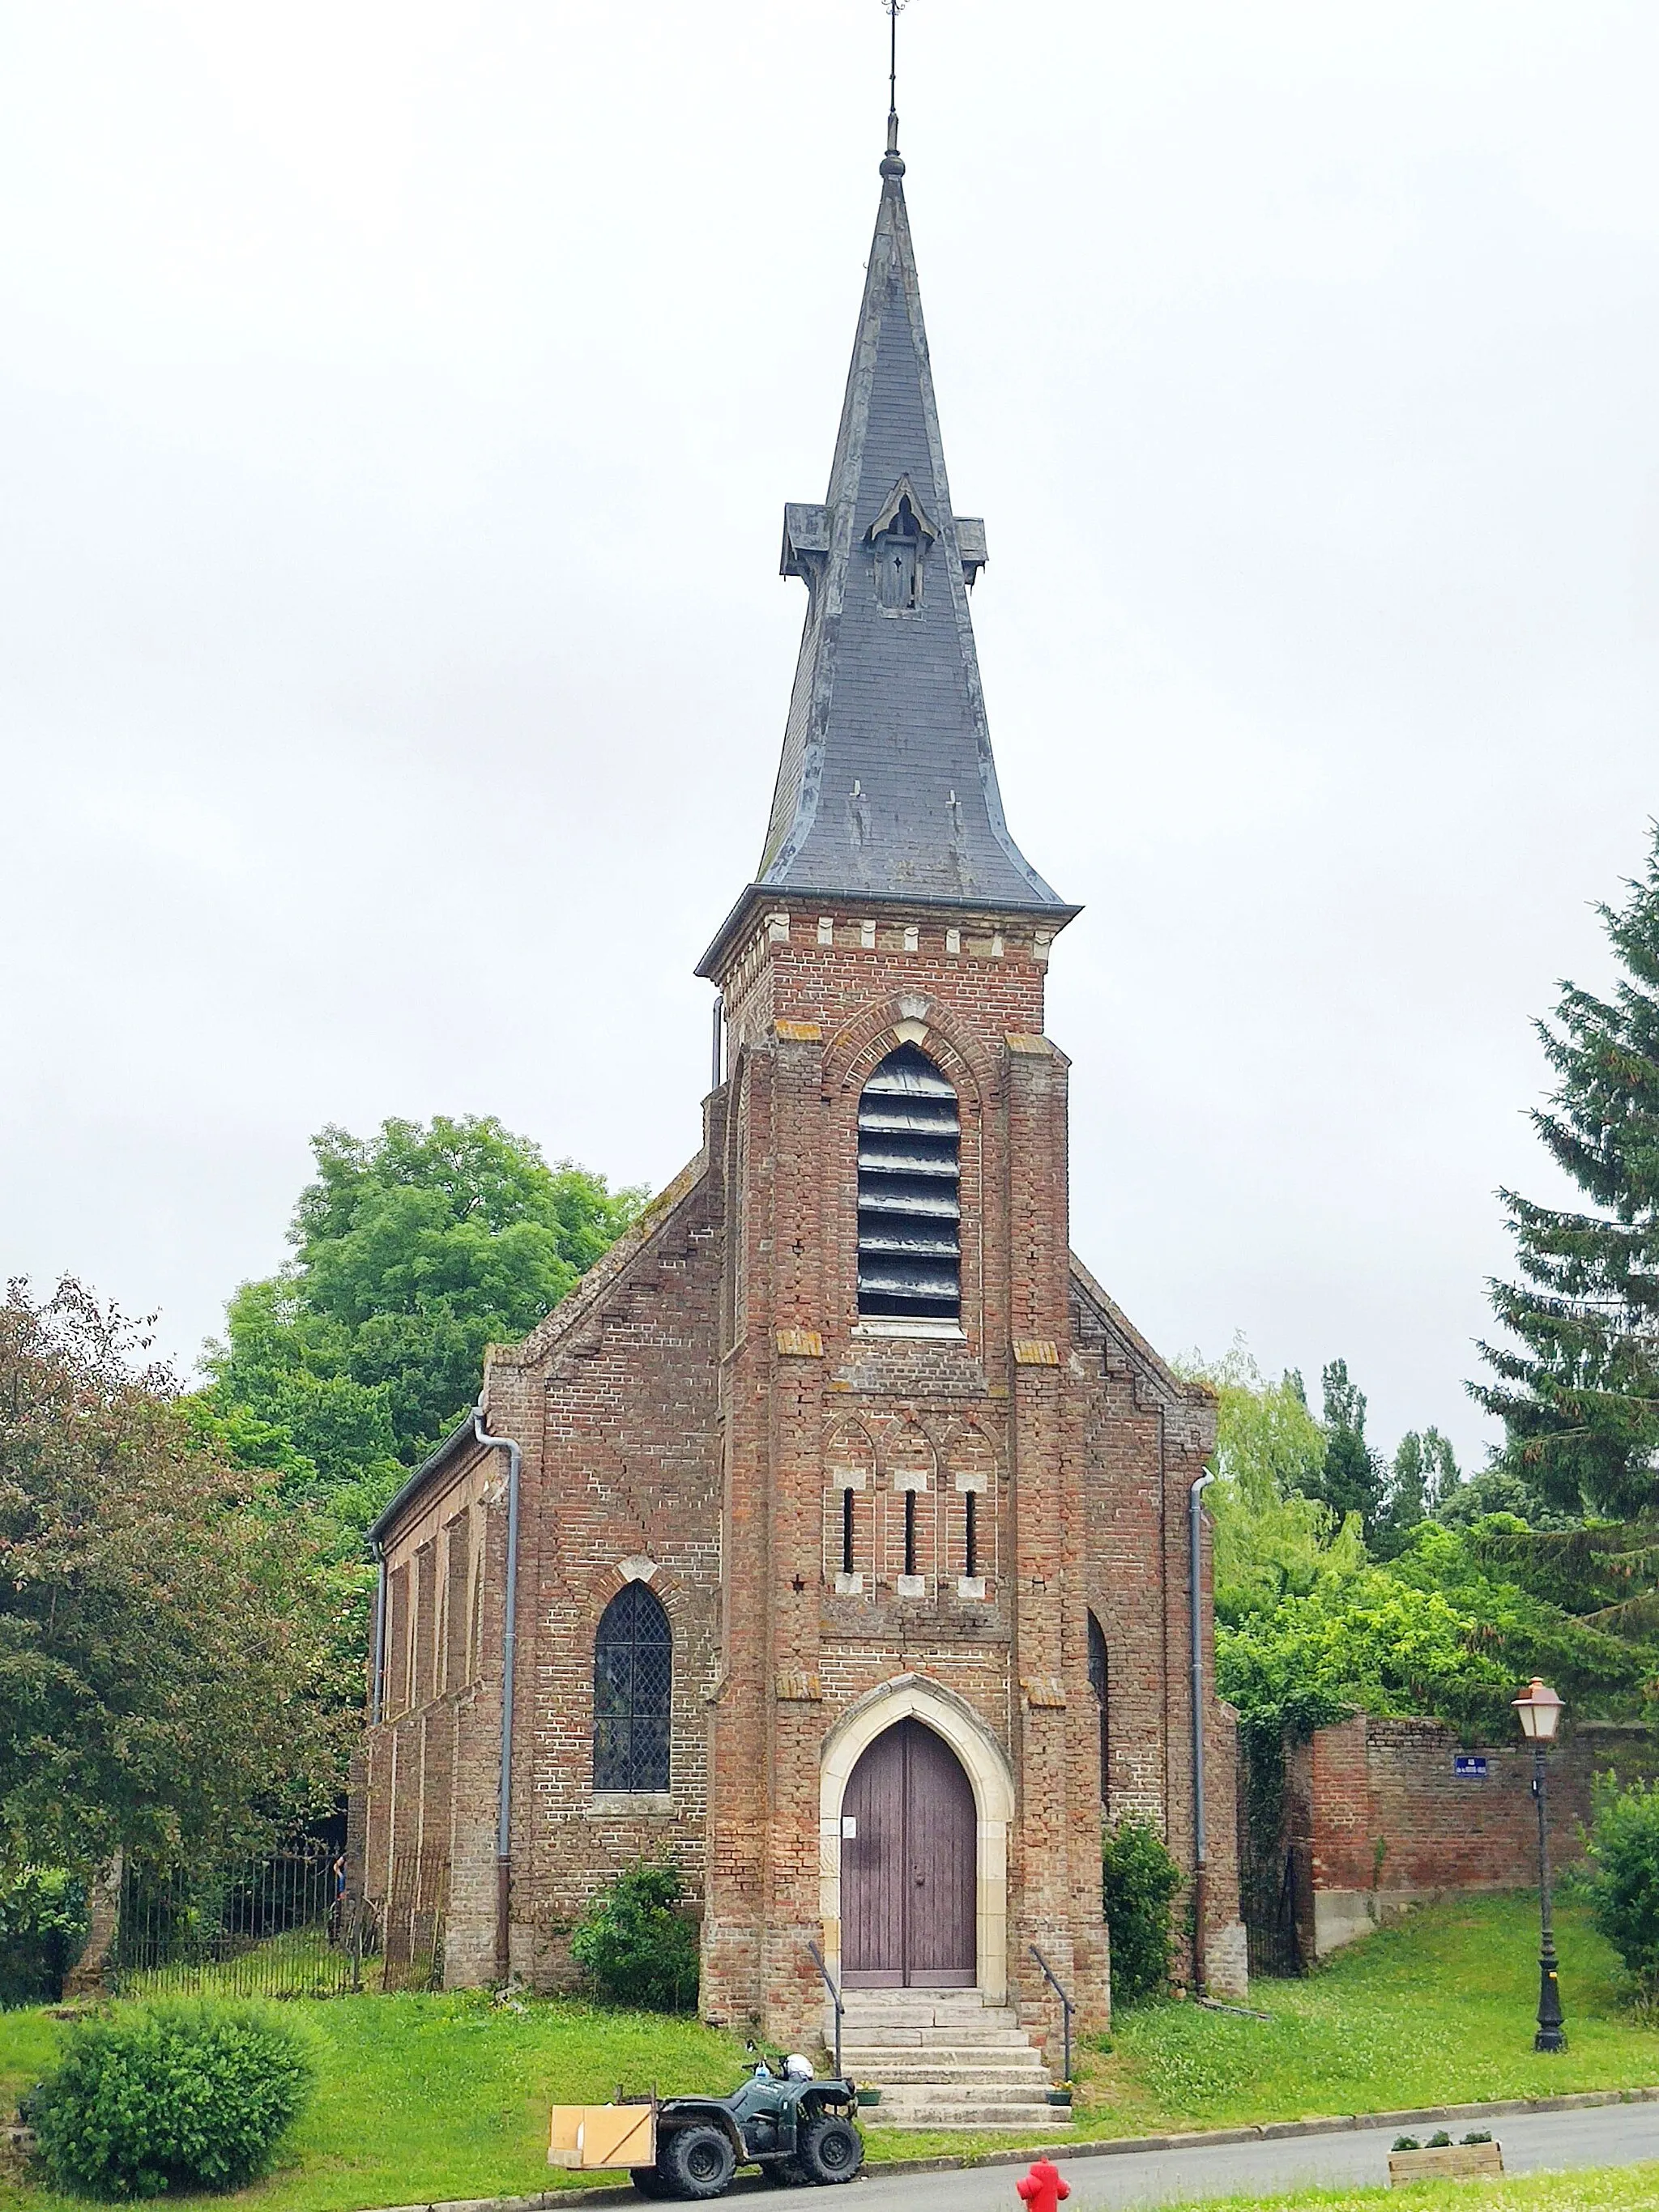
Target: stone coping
<point>1111,2147</point>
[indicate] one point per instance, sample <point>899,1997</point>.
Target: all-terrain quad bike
<point>795,2132</point>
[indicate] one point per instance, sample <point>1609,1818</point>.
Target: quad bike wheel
<point>830,2150</point>
<point>648,2181</point>
<point>698,2162</point>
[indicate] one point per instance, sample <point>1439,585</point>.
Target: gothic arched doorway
<point>907,1865</point>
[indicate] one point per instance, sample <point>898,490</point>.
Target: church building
<point>838,1535</point>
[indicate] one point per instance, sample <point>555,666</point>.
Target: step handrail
<point>1065,2004</point>
<point>834,1999</point>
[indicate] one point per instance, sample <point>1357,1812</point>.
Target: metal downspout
<point>1195,1617</point>
<point>377,1686</point>
<point>509,1642</point>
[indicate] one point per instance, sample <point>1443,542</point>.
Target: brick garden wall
<point>1380,1817</point>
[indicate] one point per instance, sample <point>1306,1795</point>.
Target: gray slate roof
<point>887,788</point>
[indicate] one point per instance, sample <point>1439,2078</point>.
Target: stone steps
<point>1023,2068</point>
<point>943,2058</point>
<point>891,2036</point>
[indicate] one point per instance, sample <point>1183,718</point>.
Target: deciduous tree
<point>165,1630</point>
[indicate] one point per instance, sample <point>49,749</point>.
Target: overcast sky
<point>397,407</point>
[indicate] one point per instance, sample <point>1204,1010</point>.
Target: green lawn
<point>1436,2009</point>
<point>425,2097</point>
<point>1606,2189</point>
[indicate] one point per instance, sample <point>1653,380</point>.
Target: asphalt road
<point>1605,2135</point>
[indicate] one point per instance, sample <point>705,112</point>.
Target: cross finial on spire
<point>891,165</point>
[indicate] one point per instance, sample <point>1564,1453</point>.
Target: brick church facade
<point>833,1535</point>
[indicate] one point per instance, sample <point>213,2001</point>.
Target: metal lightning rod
<point>893,8</point>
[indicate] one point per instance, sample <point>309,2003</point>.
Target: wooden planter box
<point>1450,2162</point>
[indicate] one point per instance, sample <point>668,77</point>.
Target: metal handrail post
<point>834,1999</point>
<point>1065,2001</point>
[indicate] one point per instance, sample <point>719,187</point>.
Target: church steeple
<point>887,788</point>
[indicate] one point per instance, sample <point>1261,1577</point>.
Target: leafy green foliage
<point>636,1944</point>
<point>42,1925</point>
<point>1624,1891</point>
<point>163,1630</point>
<point>1424,1476</point>
<point>191,2096</point>
<point>414,1250</point>
<point>1271,1537</point>
<point>1138,1883</point>
<point>1578,1386</point>
<point>1354,1479</point>
<point>1311,1626</point>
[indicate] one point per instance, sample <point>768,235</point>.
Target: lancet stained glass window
<point>633,1693</point>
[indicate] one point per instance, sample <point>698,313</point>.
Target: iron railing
<point>283,1925</point>
<point>1272,1938</point>
<point>834,1999</point>
<point>290,1925</point>
<point>1064,2004</point>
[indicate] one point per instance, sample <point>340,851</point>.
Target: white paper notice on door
<point>849,1827</point>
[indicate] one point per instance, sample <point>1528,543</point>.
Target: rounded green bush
<point>170,2096</point>
<point>635,1944</point>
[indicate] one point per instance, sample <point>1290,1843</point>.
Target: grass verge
<point>1436,2009</point>
<point>424,2098</point>
<point>1602,2188</point>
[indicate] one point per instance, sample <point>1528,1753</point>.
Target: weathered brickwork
<point>1380,1817</point>
<point>710,1415</point>
<point>693,1416</point>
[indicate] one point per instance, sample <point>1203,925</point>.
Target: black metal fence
<point>286,1925</point>
<point>1271,1935</point>
<point>283,1925</point>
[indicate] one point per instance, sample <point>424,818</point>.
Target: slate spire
<point>887,787</point>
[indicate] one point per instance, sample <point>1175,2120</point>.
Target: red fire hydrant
<point>1043,2187</point>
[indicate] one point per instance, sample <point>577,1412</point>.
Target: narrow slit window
<point>1097,1684</point>
<point>970,1533</point>
<point>909,1191</point>
<point>847,1567</point>
<point>909,1532</point>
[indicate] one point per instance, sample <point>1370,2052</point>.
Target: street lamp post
<point>1539,1715</point>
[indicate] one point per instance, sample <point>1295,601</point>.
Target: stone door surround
<point>913,1697</point>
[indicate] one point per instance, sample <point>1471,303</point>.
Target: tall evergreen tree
<point>1354,1478</point>
<point>1579,1392</point>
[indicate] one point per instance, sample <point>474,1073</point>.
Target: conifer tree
<point>1579,1392</point>
<point>1354,1478</point>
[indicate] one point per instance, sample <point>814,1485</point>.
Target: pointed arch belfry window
<point>633,1693</point>
<point>909,1191</point>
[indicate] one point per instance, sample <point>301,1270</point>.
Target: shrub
<point>176,2096</point>
<point>634,1944</point>
<point>1624,1891</point>
<point>42,1925</point>
<point>1138,1883</point>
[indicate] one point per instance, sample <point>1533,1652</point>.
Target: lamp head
<point>1538,1712</point>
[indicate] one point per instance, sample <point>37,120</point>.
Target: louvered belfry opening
<point>909,1191</point>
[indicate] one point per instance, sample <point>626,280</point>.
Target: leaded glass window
<point>633,1693</point>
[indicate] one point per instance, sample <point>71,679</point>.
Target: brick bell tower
<point>905,1756</point>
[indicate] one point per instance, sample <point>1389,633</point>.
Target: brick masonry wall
<point>690,1414</point>
<point>1379,1816</point>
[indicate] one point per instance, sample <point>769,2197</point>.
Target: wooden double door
<point>909,1866</point>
